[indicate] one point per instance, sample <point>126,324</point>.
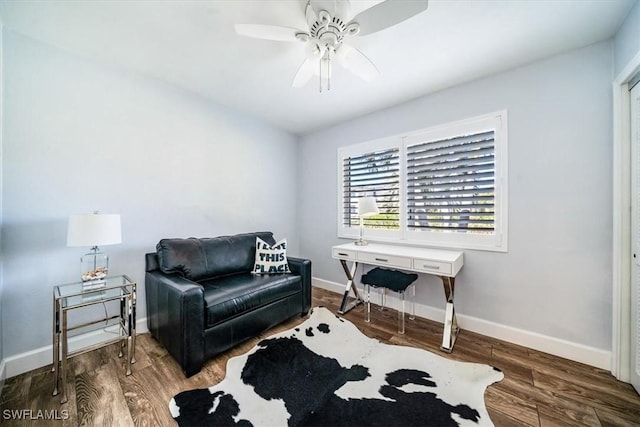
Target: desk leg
<point>451,330</point>
<point>134,298</point>
<point>129,329</point>
<point>123,325</point>
<point>56,345</point>
<point>65,350</point>
<point>351,286</point>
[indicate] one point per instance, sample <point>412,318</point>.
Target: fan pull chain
<point>320,80</point>
<point>328,70</point>
<point>326,57</point>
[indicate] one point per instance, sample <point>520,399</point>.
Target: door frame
<point>621,295</point>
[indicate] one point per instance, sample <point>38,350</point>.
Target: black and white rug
<point>325,372</point>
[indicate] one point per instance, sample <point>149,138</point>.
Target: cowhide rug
<point>325,372</point>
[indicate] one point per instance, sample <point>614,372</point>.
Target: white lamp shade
<point>94,230</point>
<point>367,206</point>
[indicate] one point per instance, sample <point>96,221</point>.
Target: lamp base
<point>95,267</point>
<point>361,242</point>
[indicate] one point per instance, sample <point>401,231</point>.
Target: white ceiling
<point>192,44</point>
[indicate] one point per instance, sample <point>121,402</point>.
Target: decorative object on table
<point>367,207</point>
<point>326,372</point>
<point>94,230</point>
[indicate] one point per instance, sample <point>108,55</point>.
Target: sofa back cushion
<point>198,259</point>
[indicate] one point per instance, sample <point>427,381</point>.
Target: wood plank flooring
<point>538,389</point>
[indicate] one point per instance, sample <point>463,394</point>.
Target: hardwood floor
<point>538,389</point>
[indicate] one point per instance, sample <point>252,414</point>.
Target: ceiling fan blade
<point>268,32</point>
<point>310,14</point>
<point>305,72</point>
<point>387,14</point>
<point>356,62</point>
<point>340,8</point>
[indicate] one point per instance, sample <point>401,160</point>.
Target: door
<point>635,238</point>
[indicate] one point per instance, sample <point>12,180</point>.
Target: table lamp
<point>367,207</point>
<point>94,230</point>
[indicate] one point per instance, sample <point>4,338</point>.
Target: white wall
<point>556,278</point>
<point>81,136</point>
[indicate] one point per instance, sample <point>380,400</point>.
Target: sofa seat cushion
<point>230,296</point>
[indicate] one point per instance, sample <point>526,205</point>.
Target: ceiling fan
<point>330,22</point>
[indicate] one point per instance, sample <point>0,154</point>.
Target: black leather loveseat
<point>202,298</point>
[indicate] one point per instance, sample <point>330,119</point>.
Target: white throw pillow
<point>271,259</point>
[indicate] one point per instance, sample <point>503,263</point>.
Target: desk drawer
<point>390,260</point>
<point>433,267</point>
<point>344,254</point>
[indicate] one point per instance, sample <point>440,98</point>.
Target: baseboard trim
<point>562,348</point>
<point>34,359</point>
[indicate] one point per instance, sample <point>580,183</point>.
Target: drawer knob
<point>382,260</point>
<point>431,267</point>
<point>342,254</point>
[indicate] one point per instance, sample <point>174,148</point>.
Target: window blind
<point>451,184</point>
<point>375,174</point>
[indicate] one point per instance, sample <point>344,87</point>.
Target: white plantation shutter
<point>451,183</point>
<point>377,174</point>
<point>444,186</point>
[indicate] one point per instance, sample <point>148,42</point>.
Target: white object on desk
<point>442,263</point>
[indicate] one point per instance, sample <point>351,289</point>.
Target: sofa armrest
<point>175,317</point>
<point>302,267</point>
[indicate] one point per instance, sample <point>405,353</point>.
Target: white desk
<point>441,263</point>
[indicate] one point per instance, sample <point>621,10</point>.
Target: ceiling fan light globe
<point>315,50</point>
<point>330,38</point>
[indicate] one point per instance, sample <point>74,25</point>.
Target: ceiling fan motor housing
<point>331,30</point>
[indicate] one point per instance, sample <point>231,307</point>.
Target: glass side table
<point>73,296</point>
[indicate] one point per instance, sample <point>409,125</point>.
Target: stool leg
<point>383,298</point>
<point>367,311</point>
<point>401,313</point>
<point>413,303</point>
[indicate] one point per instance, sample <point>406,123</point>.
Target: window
<point>443,186</point>
<point>373,173</point>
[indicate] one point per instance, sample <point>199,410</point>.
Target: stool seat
<point>389,279</point>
